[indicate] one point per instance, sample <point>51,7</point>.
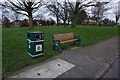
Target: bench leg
<point>60,50</point>
<point>74,42</point>
<point>54,45</point>
<point>58,47</point>
<point>80,43</point>
<point>77,42</point>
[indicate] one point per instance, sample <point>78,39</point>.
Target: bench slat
<point>64,36</point>
<point>69,41</point>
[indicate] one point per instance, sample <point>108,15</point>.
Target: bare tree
<point>5,20</point>
<point>63,11</point>
<point>82,16</point>
<point>5,12</point>
<point>67,11</point>
<point>60,10</point>
<point>10,14</point>
<point>15,17</point>
<point>40,16</point>
<point>76,8</point>
<point>26,7</point>
<point>99,10</point>
<point>117,11</point>
<point>53,7</point>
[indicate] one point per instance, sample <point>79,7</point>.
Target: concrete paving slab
<point>84,62</point>
<point>85,67</point>
<point>76,72</point>
<point>51,69</point>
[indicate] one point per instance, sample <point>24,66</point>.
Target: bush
<point>24,23</point>
<point>43,22</point>
<point>48,22</point>
<point>52,22</point>
<point>6,23</point>
<point>60,23</point>
<point>34,22</point>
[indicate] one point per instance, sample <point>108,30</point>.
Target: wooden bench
<point>59,39</point>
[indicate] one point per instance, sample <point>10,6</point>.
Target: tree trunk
<point>30,22</point>
<point>116,20</point>
<point>75,13</point>
<point>98,20</point>
<point>57,20</point>
<point>74,21</point>
<point>68,21</point>
<point>65,23</point>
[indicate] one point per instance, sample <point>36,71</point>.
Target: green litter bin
<point>35,43</point>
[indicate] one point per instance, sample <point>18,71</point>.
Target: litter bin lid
<point>35,32</point>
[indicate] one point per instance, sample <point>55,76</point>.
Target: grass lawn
<point>14,43</point>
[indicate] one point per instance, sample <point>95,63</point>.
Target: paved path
<point>113,72</point>
<point>88,61</point>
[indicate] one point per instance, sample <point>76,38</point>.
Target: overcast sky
<point>109,13</point>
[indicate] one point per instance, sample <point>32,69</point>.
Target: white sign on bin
<point>38,48</point>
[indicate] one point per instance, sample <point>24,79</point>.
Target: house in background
<point>20,23</point>
<point>17,23</point>
<point>93,21</point>
<point>89,22</point>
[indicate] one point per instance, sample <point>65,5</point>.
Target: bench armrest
<point>77,37</point>
<point>57,41</point>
